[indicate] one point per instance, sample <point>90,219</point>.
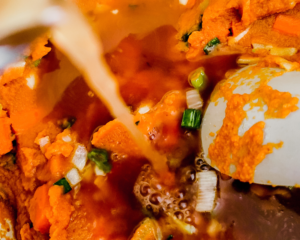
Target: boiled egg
<point>256,138</point>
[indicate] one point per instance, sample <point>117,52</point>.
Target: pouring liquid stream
<point>85,52</point>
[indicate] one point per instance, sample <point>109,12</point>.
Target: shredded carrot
<point>287,24</point>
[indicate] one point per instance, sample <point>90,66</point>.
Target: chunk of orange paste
<point>115,137</point>
<point>59,166</point>
<point>280,104</point>
<point>12,73</point>
<point>32,159</point>
<point>5,135</point>
<point>38,49</point>
<point>61,213</point>
<point>59,147</point>
<point>39,209</point>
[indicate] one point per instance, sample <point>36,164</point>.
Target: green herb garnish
<point>211,45</point>
<point>63,182</point>
<point>198,78</point>
<point>100,158</point>
<point>67,123</point>
<point>191,119</point>
<point>170,237</point>
<point>36,63</point>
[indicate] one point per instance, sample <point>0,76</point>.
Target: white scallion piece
<point>275,51</point>
<point>283,51</point>
<point>144,109</point>
<point>31,81</point>
<point>99,172</point>
<point>67,138</point>
<point>258,46</point>
<point>44,141</point>
<point>207,189</point>
<point>80,157</point>
<point>115,11</point>
<point>193,99</point>
<point>285,64</point>
<point>248,60</point>
<point>184,227</point>
<point>183,2</point>
<point>73,177</point>
<point>241,35</point>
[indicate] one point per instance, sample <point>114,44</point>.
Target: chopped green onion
<point>211,45</point>
<point>170,237</point>
<point>193,99</point>
<point>185,37</point>
<point>63,182</point>
<point>191,119</point>
<point>133,6</point>
<point>207,190</point>
<point>67,123</point>
<point>100,158</point>
<point>36,63</point>
<point>197,78</point>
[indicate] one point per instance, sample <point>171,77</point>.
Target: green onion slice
<point>67,123</point>
<point>185,37</point>
<point>197,78</point>
<point>63,182</point>
<point>211,45</point>
<point>170,237</point>
<point>36,63</point>
<point>191,119</point>
<point>100,158</point>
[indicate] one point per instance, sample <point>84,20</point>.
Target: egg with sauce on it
<point>250,128</point>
